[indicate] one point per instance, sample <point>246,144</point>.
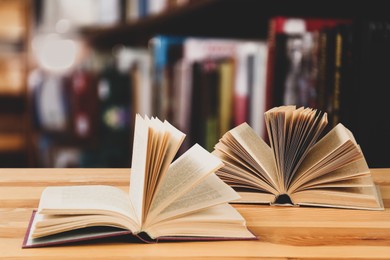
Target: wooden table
<point>285,232</point>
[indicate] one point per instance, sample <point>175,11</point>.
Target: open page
<point>275,123</point>
<point>139,165</point>
<point>255,197</point>
<point>183,174</point>
<point>347,174</point>
<point>155,145</point>
<point>242,144</point>
<point>69,207</point>
<point>36,238</point>
<point>217,221</point>
<point>46,225</point>
<point>173,138</point>
<point>364,197</point>
<point>158,142</point>
<point>333,151</point>
<point>210,192</point>
<point>292,133</point>
<point>239,174</point>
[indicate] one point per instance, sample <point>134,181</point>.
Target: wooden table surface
<point>285,232</point>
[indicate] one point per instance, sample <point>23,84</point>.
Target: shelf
<point>12,142</point>
<point>12,122</point>
<point>14,111</point>
<point>198,18</point>
<point>139,31</point>
<point>15,104</point>
<point>12,91</point>
<point>247,19</point>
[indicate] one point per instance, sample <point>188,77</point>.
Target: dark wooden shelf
<point>174,21</point>
<point>246,19</point>
<point>12,103</point>
<point>12,122</point>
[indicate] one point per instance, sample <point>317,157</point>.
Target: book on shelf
<point>238,75</point>
<point>208,104</point>
<point>115,88</point>
<point>203,57</point>
<point>296,169</point>
<point>135,63</point>
<point>183,200</point>
<point>347,67</point>
<point>300,68</point>
<point>257,61</point>
<point>249,88</point>
<point>83,105</point>
<point>343,75</point>
<point>166,52</point>
<point>190,71</point>
<point>225,94</point>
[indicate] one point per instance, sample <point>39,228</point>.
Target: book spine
<point>196,132</point>
<point>337,79</point>
<point>346,87</point>
<point>241,102</point>
<point>226,70</point>
<point>257,96</point>
<point>210,100</point>
<point>270,64</point>
<point>321,78</point>
<point>330,74</point>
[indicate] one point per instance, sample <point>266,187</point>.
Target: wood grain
<point>284,232</point>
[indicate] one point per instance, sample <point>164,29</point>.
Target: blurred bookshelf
<point>14,124</point>
<point>246,19</point>
<point>138,56</point>
<point>250,20</point>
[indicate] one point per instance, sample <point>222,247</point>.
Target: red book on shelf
<point>281,25</point>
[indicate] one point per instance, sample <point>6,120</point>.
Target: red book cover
<point>240,109</point>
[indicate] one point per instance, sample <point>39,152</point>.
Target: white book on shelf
<point>139,61</point>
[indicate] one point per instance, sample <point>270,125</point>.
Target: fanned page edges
<point>182,199</point>
<point>296,169</point>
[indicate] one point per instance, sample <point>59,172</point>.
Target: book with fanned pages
<point>183,200</point>
<point>296,169</point>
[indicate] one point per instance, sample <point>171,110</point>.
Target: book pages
<point>331,172</point>
<point>210,192</point>
<point>183,174</point>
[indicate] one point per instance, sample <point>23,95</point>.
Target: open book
<point>296,169</point>
<point>183,200</point>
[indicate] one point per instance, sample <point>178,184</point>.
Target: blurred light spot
<point>55,53</point>
<point>63,26</point>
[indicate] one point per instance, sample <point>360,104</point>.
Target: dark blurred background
<point>73,73</point>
